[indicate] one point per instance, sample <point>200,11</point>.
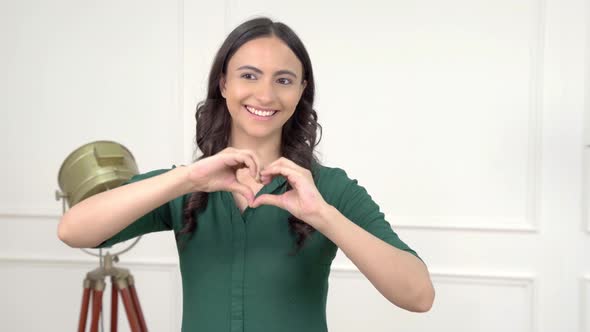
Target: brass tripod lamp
<point>93,168</point>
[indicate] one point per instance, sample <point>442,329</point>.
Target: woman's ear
<point>222,85</point>
<point>303,86</point>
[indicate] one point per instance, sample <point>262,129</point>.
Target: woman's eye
<point>284,81</point>
<point>248,76</point>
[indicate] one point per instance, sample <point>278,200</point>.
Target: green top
<point>237,274</point>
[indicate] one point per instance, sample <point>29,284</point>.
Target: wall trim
<point>39,214</point>
<point>480,224</point>
<point>169,266</point>
<point>586,187</point>
<point>528,223</point>
<point>584,302</point>
<point>157,264</point>
<point>522,280</point>
<point>179,148</point>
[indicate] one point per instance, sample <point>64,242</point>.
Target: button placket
<point>237,277</point>
<point>238,222</point>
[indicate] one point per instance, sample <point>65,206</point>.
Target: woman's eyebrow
<point>277,73</point>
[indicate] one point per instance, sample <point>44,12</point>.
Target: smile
<point>260,112</point>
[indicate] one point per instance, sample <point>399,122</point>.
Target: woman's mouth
<point>261,114</point>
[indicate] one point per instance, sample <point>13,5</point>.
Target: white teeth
<point>260,113</point>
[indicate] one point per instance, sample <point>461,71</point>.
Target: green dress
<point>237,274</point>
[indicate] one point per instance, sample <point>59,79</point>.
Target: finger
<point>268,199</point>
<point>292,176</point>
<point>240,158</point>
<point>279,161</point>
<point>234,159</point>
<point>249,160</point>
<point>242,190</point>
<point>287,163</point>
<point>265,179</point>
<point>256,171</point>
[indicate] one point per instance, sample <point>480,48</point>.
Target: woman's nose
<point>265,93</point>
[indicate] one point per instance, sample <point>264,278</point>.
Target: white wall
<point>465,120</point>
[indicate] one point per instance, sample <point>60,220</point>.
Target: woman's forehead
<point>267,54</point>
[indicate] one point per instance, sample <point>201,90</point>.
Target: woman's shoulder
<point>332,179</point>
<point>326,171</point>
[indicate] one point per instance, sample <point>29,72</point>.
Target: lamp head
<point>93,168</point>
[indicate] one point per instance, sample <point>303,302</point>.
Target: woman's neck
<point>267,150</point>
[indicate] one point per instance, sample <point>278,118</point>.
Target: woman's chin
<point>261,132</point>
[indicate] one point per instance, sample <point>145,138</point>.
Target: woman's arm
<point>399,276</point>
<point>99,217</point>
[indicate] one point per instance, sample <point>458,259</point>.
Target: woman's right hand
<point>218,172</point>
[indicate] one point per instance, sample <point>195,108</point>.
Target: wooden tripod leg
<point>96,304</point>
<point>114,305</point>
<point>84,307</point>
<point>136,303</point>
<point>129,307</point>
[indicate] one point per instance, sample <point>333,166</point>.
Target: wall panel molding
<point>528,222</point>
<point>455,276</point>
<point>484,224</point>
<point>526,282</point>
<point>585,303</point>
<point>586,188</point>
<point>44,208</point>
<point>169,267</point>
<point>154,264</point>
<point>178,146</point>
<point>43,215</point>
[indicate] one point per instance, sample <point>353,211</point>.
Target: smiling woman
<point>261,78</point>
<point>270,217</point>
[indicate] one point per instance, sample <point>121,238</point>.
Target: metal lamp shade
<point>93,168</point>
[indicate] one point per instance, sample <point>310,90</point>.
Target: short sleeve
<point>159,219</point>
<point>354,202</point>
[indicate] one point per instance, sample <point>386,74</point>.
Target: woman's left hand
<point>303,201</point>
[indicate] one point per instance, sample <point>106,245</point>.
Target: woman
<point>257,219</point>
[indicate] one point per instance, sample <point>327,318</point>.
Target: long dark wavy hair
<point>214,121</point>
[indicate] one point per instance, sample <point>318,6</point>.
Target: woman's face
<point>262,86</point>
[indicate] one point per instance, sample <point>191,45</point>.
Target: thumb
<point>267,199</point>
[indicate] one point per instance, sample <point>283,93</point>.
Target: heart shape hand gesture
<point>219,173</point>
<point>303,201</point>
